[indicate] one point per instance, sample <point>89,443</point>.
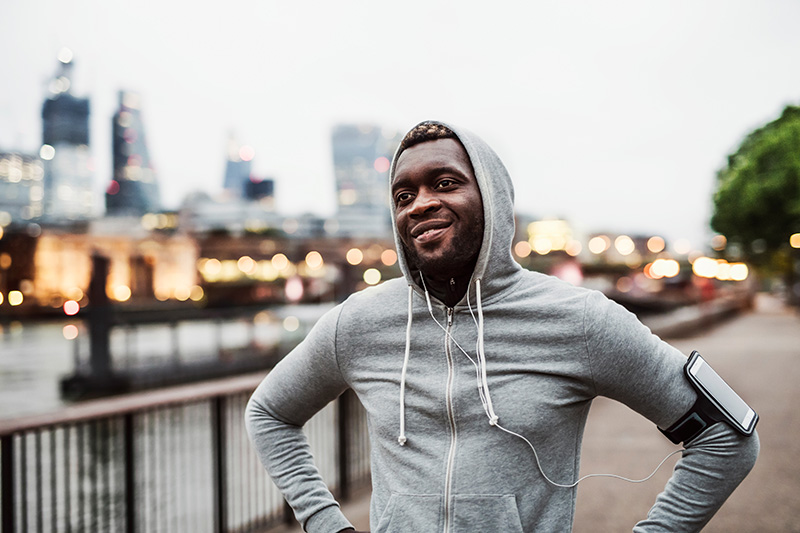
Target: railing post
<point>218,437</point>
<point>7,484</point>
<point>343,423</point>
<point>130,473</point>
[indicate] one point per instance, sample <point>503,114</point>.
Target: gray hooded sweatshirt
<point>444,388</point>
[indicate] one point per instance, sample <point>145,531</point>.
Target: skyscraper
<point>65,150</point>
<point>361,158</point>
<point>134,188</point>
<point>237,168</point>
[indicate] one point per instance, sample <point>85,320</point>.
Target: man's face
<point>438,208</point>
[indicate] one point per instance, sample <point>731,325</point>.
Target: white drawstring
<point>482,356</point>
<point>483,387</point>
<point>402,438</point>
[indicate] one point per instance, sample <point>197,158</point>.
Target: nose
<point>425,202</point>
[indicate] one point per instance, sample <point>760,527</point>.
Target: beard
<point>455,258</point>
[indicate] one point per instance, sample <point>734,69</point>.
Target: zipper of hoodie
<point>451,420</point>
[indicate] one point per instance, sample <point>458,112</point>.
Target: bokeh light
<point>388,257</point>
<point>280,262</point>
<point>291,323</point>
<point>382,164</point>
<point>705,267</point>
<point>656,244</point>
<point>121,293</point>
<point>47,152</point>
<point>599,244</point>
<point>15,298</point>
<point>70,332</point>
<point>314,260</point>
<point>354,256</point>
<point>624,245</point>
<point>71,307</point>
<point>247,153</point>
<point>522,249</point>
<point>372,276</point>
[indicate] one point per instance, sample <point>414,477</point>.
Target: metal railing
<point>173,460</point>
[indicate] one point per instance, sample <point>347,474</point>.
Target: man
<point>484,363</point>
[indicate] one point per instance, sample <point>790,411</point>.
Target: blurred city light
<point>705,267</point>
<point>718,242</point>
<point>247,153</point>
<point>372,276</point>
<point>47,152</point>
<point>70,332</point>
<point>65,55</point>
<point>1,298</point>
<point>382,164</point>
<point>794,240</point>
<point>522,249</point>
<point>196,293</point>
<point>280,262</point>
<point>542,245</point>
<point>573,248</point>
<point>71,307</point>
<point>662,268</point>
<point>599,244</point>
<point>294,289</point>
<point>624,245</point>
<point>656,244</point>
<point>739,271</point>
<point>720,269</point>
<point>389,257</point>
<point>545,236</point>
<point>624,284</point>
<point>246,264</point>
<point>291,323</point>
<point>354,256</point>
<point>314,260</point>
<point>182,293</point>
<point>121,293</point>
<point>15,298</point>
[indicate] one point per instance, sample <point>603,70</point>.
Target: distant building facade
<point>361,159</point>
<point>68,175</point>
<point>21,188</point>
<point>134,187</point>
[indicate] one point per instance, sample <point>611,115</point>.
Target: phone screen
<point>722,393</point>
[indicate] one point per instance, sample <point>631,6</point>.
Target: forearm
<point>711,468</point>
<point>284,451</point>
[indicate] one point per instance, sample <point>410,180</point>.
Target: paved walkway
<point>758,353</point>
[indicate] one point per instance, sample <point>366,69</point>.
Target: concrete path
<point>758,353</point>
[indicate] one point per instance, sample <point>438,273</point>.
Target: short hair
<point>424,132</point>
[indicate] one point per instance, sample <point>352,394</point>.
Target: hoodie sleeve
<point>298,387</point>
<point>635,367</point>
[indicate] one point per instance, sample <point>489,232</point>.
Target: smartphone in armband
<point>716,402</point>
<point>708,383</point>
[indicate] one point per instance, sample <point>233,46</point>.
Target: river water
<point>36,356</point>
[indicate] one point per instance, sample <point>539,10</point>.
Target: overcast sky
<point>615,115</point>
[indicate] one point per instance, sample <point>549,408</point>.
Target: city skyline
<point>615,117</point>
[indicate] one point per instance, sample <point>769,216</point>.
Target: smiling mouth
<point>429,234</point>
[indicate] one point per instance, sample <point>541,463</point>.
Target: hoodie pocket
<point>420,513</point>
<point>483,512</point>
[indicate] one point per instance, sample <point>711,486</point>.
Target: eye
<point>444,183</point>
<point>402,197</point>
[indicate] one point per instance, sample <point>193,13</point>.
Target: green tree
<point>757,200</point>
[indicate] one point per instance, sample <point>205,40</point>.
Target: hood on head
<point>495,262</point>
